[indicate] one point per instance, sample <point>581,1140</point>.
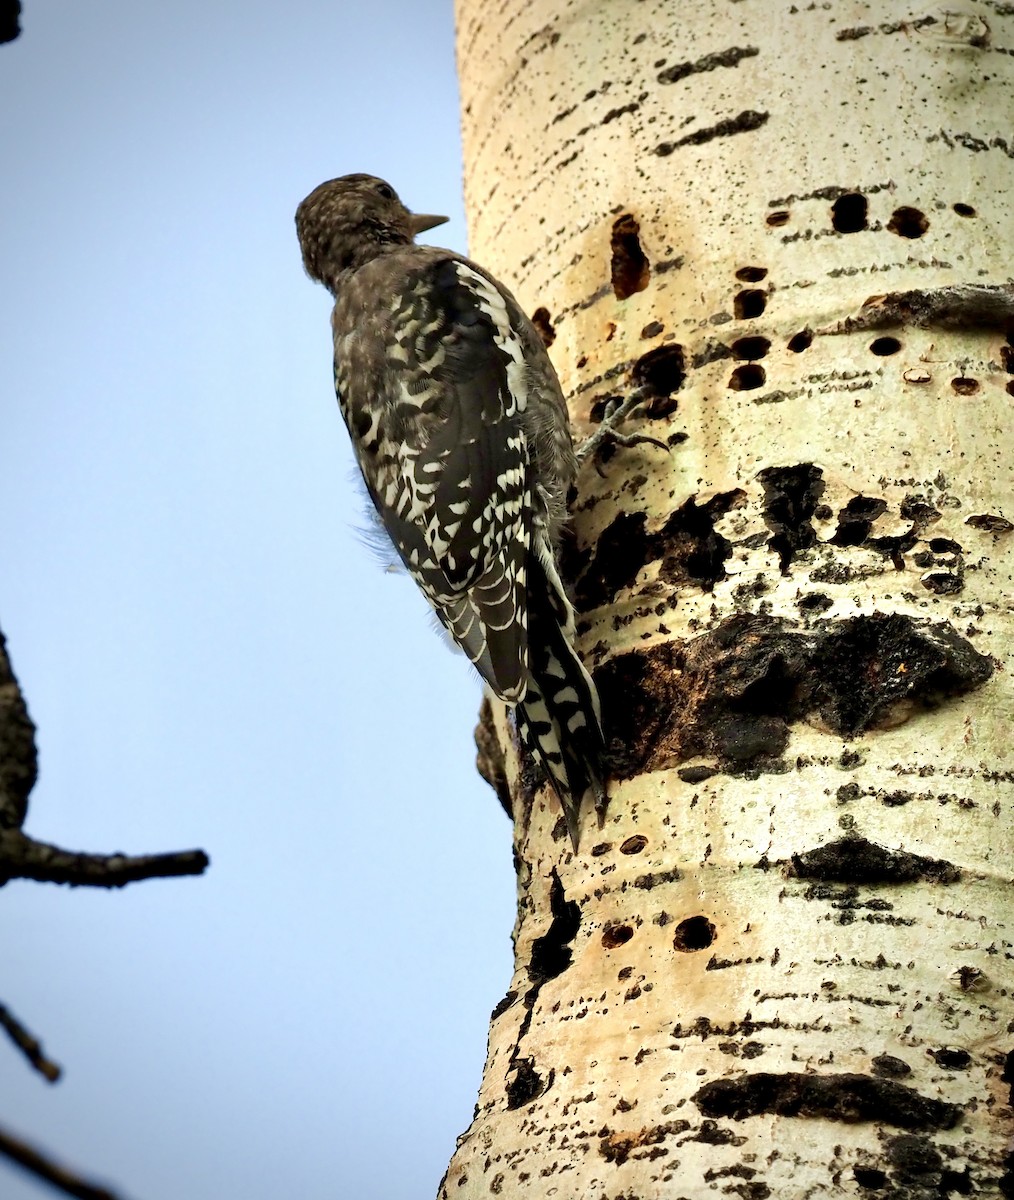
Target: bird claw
<point>617,411</point>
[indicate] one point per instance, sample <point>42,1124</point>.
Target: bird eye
<point>385,191</point>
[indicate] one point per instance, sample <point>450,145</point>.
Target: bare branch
<point>22,857</point>
<point>52,1173</point>
<point>29,1046</point>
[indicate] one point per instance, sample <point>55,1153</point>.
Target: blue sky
<point>210,652</point>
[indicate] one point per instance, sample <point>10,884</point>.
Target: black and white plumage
<point>461,432</point>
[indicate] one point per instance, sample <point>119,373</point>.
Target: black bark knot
<point>551,956</point>
<point>865,666</point>
<point>853,859</point>
<point>527,1084</point>
<point>687,547</point>
<point>848,1097</point>
<point>551,953</point>
<point>791,496</point>
<point>734,691</point>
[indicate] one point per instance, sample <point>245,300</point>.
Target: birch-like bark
<point>783,966</point>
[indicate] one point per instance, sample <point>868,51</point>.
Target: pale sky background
<point>212,656</point>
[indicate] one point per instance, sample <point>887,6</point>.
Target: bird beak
<point>420,222</point>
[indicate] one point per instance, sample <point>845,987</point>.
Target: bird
<point>461,432</point>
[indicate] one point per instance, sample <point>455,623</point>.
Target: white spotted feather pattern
<point>462,436</point>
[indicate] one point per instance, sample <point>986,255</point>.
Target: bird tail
<point>559,720</point>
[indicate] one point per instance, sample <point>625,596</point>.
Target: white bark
<point>783,967</point>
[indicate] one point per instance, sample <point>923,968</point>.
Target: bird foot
<point>607,434</point>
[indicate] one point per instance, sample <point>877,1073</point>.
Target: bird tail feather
<point>559,720</point>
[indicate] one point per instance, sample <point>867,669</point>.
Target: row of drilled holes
<point>850,214</point>
<point>695,933</point>
<point>664,368</point>
<point>757,347</point>
<point>751,375</point>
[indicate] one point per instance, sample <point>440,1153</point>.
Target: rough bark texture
<point>783,966</point>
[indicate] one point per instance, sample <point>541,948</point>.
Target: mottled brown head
<point>348,221</point>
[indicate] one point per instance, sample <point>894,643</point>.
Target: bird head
<point>348,221</point>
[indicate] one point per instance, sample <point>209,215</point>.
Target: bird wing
<point>449,471</point>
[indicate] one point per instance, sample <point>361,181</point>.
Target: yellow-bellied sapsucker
<point>461,431</point>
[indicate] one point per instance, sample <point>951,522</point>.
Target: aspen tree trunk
<point>783,966</point>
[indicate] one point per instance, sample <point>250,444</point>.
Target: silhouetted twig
<point>44,1168</point>
<point>29,1046</point>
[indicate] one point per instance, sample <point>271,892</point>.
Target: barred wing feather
<point>455,488</point>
